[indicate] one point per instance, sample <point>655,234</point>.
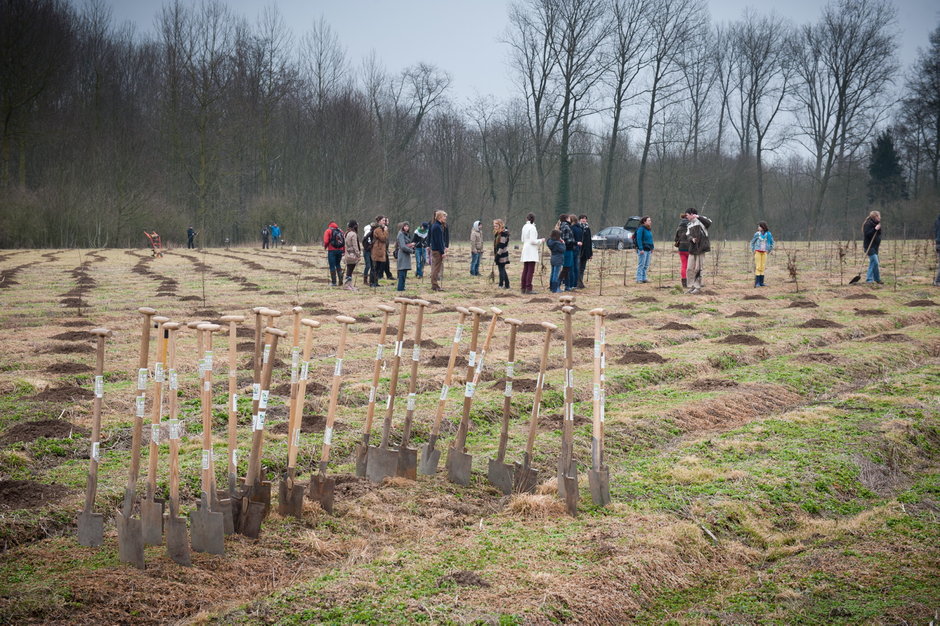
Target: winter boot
<point>332,277</point>
<point>762,280</point>
<point>685,283</point>
<point>757,280</point>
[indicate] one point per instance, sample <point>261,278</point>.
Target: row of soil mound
<point>28,494</point>
<point>48,428</point>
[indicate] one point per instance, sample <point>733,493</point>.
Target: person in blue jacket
<point>761,245</point>
<point>644,248</point>
<point>556,246</point>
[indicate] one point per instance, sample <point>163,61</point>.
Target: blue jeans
<point>642,264</point>
<point>367,267</point>
<point>475,263</point>
<point>420,260</point>
<point>571,281</point>
<point>402,274</point>
<point>335,259</point>
<point>553,281</point>
<point>874,269</point>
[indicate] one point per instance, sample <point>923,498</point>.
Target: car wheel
<point>620,245</point>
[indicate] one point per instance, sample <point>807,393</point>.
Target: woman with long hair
<point>644,248</point>
<point>682,247</point>
<point>530,252</point>
<point>761,244</point>
<point>871,239</point>
<point>352,252</point>
<point>501,251</point>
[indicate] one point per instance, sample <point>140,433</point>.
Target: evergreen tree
<point>886,181</point>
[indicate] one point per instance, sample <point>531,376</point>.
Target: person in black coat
<point>871,239</point>
<point>190,237</point>
<point>587,248</point>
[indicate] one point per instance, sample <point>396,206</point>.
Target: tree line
<point>622,107</point>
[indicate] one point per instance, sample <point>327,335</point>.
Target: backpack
<point>264,232</point>
<point>367,242</point>
<point>337,240</point>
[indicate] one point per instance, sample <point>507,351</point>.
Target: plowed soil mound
<point>313,389</point>
<point>640,356</point>
<point>862,296</point>
<point>733,408</point>
<point>377,330</point>
<point>246,345</point>
<point>349,486</point>
<point>68,368</point>
<point>27,494</point>
<point>428,344</point>
<point>920,303</point>
<point>820,323</point>
<point>675,326</point>
<point>743,340</point>
<point>245,332</point>
<point>538,300</point>
<point>869,312</point>
<point>309,424</point>
<point>645,299</point>
<point>744,314</point>
<point>619,316</point>
<point>583,342</point>
<point>63,394</point>
<point>72,335</point>
<point>463,578</point>
<point>555,421</point>
<point>756,296</point>
<point>711,384</point>
<point>803,304</point>
<point>76,324</point>
<point>889,338</point>
<point>70,348</point>
<point>519,385</point>
<point>190,299</point>
<point>50,429</point>
<point>73,302</point>
<point>817,357</point>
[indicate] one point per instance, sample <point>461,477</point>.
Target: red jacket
<point>328,235</point>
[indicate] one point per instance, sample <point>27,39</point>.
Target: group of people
<point>271,236</point>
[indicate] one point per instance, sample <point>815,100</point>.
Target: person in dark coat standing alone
<point>587,248</point>
<point>871,231</point>
<point>190,237</point>
<point>440,242</point>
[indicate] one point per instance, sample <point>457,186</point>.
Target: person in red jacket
<point>334,240</point>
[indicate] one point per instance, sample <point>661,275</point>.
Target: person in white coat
<point>530,252</point>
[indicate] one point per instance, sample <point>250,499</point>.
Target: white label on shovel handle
<point>208,361</point>
<point>256,392</point>
<point>597,392</point>
<point>142,375</point>
<point>207,385</point>
<point>388,402</point>
<point>234,402</point>
<point>379,351</point>
<point>99,386</point>
<point>338,368</point>
<point>510,369</point>
<point>95,451</point>
<point>174,429</point>
<point>471,359</point>
<point>266,354</point>
<point>416,353</point>
<point>399,346</point>
<point>458,334</point>
<point>155,434</point>
<point>597,350</point>
<point>234,458</point>
<point>468,390</point>
<point>263,400</point>
<point>202,368</point>
<point>258,422</point>
<point>205,459</point>
<point>296,437</point>
<point>158,372</point>
<point>569,376</point>
<point>480,362</point>
<point>372,395</point>
<point>305,371</point>
<point>295,357</point>
<point>141,405</point>
<point>538,381</point>
<point>444,391</point>
<point>508,391</point>
<point>603,335</point>
<point>603,403</point>
<point>569,412</point>
<point>174,380</point>
<point>411,402</point>
<point>327,436</point>
<point>233,373</point>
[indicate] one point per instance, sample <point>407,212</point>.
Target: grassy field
<point>773,452</point>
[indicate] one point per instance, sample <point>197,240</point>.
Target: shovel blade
<point>564,474</point>
<point>407,463</point>
<point>177,540</point>
<point>251,510</point>
<point>290,498</point>
<point>599,481</point>
<point>321,490</point>
<point>208,528</point>
<point>430,457</point>
<point>526,478</point>
<point>500,475</point>
<point>382,463</point>
<point>362,459</point>
<point>223,504</point>
<point>130,540</point>
<point>151,521</point>
<point>571,494</point>
<point>855,279</point>
<point>458,466</point>
<point>90,529</point>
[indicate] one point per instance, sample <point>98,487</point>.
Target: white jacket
<point>530,243</point>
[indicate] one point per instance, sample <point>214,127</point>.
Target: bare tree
<point>699,76</point>
<point>844,64</point>
<point>920,115</point>
<point>514,146</point>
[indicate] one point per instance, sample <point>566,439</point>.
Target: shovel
<point>408,456</point>
<point>858,276</point>
<point>290,492</point>
<point>526,477</point>
<point>151,507</point>
<point>208,524</point>
<point>500,473</point>
<point>232,321</point>
<point>475,315</point>
<point>219,500</point>
<point>130,539</point>
<point>382,460</point>
<point>430,456</point>
<point>321,487</point>
<point>567,465</point>
<point>458,461</point>
<point>255,500</point>
<point>91,524</point>
<point>286,506</point>
<point>177,537</point>
<point>362,452</point>
<point>599,474</point>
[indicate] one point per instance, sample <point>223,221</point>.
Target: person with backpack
<point>352,252</point>
<point>761,244</point>
<point>556,246</point>
<point>403,251</point>
<point>530,252</point>
<point>334,240</point>
<point>697,232</point>
<point>440,242</point>
<point>367,252</point>
<point>567,236</point>
<point>379,252</point>
<point>587,248</point>
<point>501,251</point>
<point>420,240</point>
<point>871,231</point>
<point>682,247</point>
<point>644,248</point>
<point>476,248</point>
<point>265,237</point>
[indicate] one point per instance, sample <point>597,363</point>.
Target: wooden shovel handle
<point>174,416</point>
<point>92,485</point>
<point>507,397</point>
<point>396,365</point>
<point>257,441</point>
<point>297,408</point>
<point>539,383</point>
<point>413,379</point>
<point>143,359</point>
<point>232,390</point>
<point>449,375</point>
<point>377,368</point>
<point>156,409</point>
<point>345,321</point>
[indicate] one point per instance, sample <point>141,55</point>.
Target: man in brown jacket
<point>379,249</point>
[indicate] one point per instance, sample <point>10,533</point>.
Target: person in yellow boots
<point>761,245</point>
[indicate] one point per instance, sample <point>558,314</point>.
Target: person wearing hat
<point>476,248</point>
<point>697,231</point>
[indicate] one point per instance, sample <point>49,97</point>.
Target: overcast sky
<point>463,36</point>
